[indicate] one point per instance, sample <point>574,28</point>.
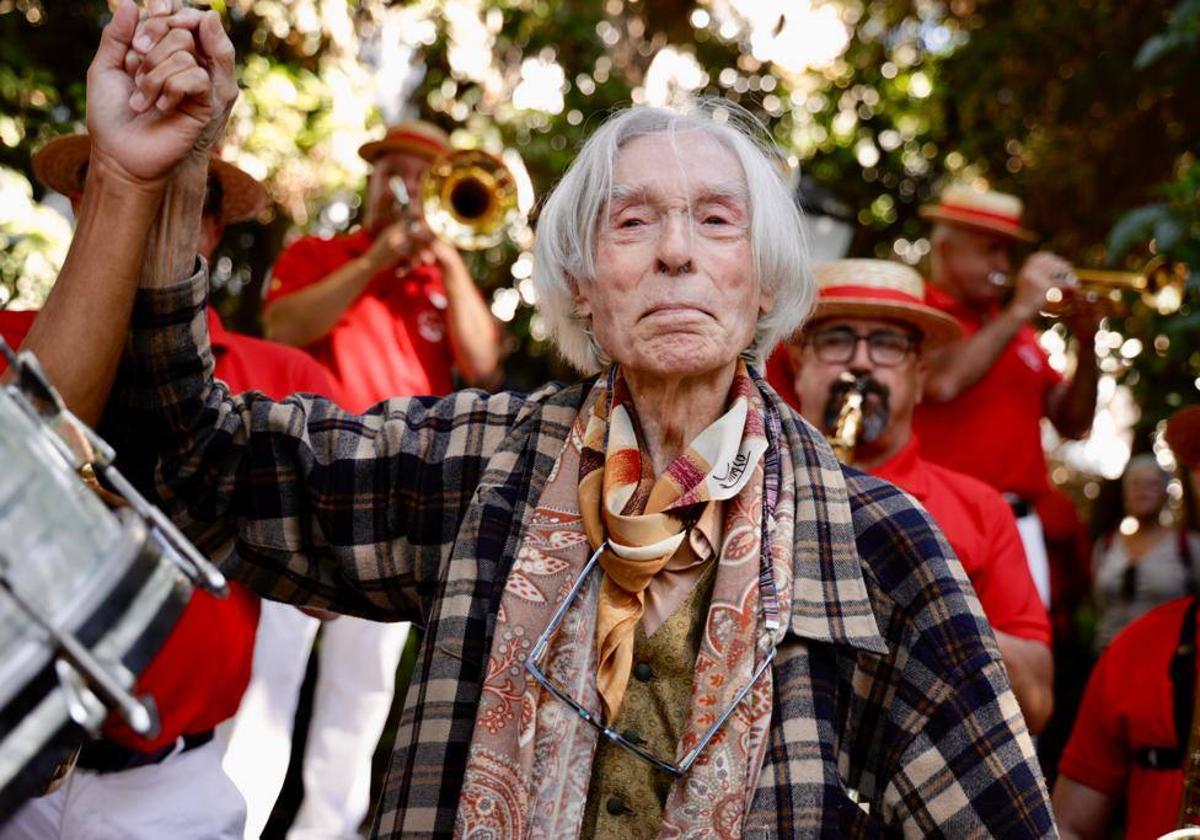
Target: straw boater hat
<point>883,290</point>
<point>60,164</point>
<point>415,137</point>
<point>994,212</point>
<point>1183,436</point>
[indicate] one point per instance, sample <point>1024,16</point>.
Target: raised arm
<point>958,366</point>
<point>135,146</point>
<point>473,332</point>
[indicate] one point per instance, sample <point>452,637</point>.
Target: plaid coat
<point>893,713</point>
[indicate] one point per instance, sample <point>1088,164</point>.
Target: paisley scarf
<point>531,755</point>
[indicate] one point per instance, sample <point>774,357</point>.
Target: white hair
<point>565,246</point>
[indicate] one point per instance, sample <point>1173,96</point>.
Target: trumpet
<point>844,438</point>
<point>1160,284</point>
<point>468,198</point>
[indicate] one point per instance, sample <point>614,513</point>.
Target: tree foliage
<point>1081,108</point>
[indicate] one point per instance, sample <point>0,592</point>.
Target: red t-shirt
<point>992,431</point>
<point>391,341</point>
<point>1128,706</point>
<point>979,526</point>
<point>199,675</point>
<point>14,326</point>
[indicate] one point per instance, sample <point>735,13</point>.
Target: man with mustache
<point>871,323</point>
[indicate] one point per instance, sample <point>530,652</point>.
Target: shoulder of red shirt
<point>311,258</point>
<point>284,370</point>
<point>1157,628</point>
<point>939,298</point>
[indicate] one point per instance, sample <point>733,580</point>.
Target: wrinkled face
<point>675,293</point>
<point>891,391</point>
<point>968,257</point>
<point>382,208</point>
<point>1144,490</point>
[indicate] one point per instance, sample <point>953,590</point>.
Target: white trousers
<point>356,677</point>
<point>186,796</point>
<point>1033,538</point>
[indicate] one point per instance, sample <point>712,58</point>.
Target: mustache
<point>876,406</point>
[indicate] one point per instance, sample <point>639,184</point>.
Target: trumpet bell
<point>469,199</point>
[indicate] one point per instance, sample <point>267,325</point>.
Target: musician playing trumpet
<point>987,392</point>
<point>866,345</point>
<point>388,308</point>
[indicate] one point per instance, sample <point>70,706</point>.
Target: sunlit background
<point>1077,107</point>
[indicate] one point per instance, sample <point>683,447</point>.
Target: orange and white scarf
<point>531,756</point>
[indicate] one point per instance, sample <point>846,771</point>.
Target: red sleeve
<point>1008,594</point>
<point>14,326</point>
<point>1098,754</point>
<point>301,264</point>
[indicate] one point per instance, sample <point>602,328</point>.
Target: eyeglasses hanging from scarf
<point>534,666</point>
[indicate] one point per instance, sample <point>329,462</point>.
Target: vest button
<point>617,806</point>
<point>643,672</point>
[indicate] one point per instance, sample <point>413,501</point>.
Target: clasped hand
<point>160,90</point>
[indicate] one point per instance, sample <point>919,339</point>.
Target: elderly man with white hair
<point>654,603</point>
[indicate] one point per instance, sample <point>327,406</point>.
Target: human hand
<point>147,112</point>
<point>440,251</point>
<point>160,37</point>
<point>397,243</point>
<point>1041,272</point>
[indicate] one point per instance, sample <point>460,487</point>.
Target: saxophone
<point>849,420</point>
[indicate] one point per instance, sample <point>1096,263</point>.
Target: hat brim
<point>936,327</point>
<point>938,213</point>
<point>371,152</point>
<point>243,196</point>
<point>59,165</point>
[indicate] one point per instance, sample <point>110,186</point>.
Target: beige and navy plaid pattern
<point>893,715</point>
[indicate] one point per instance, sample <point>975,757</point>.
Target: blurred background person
<point>389,309</point>
<point>1146,561</point>
<point>871,332</point>
<point>995,385</point>
<point>1133,741</point>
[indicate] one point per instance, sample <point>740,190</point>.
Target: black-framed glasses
<point>534,662</point>
<point>886,348</point>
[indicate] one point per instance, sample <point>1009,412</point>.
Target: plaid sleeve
<point>354,513</point>
<point>956,758</point>
<point>971,771</point>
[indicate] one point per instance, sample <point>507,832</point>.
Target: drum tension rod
<point>139,713</point>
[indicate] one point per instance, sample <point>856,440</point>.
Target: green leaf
<point>1159,46</point>
<point>1134,227</point>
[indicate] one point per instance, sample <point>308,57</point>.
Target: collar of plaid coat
<point>893,712</point>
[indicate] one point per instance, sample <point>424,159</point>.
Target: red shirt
<point>979,526</point>
<point>992,431</point>
<point>14,326</point>
<point>199,675</point>
<point>391,341</point>
<point>1128,706</point>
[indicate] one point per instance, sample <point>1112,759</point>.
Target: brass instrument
<point>849,420</point>
<point>470,199</point>
<point>1160,284</point>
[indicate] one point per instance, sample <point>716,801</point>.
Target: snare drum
<point>82,588</point>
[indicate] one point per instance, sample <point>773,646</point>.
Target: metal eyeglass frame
<point>539,648</point>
